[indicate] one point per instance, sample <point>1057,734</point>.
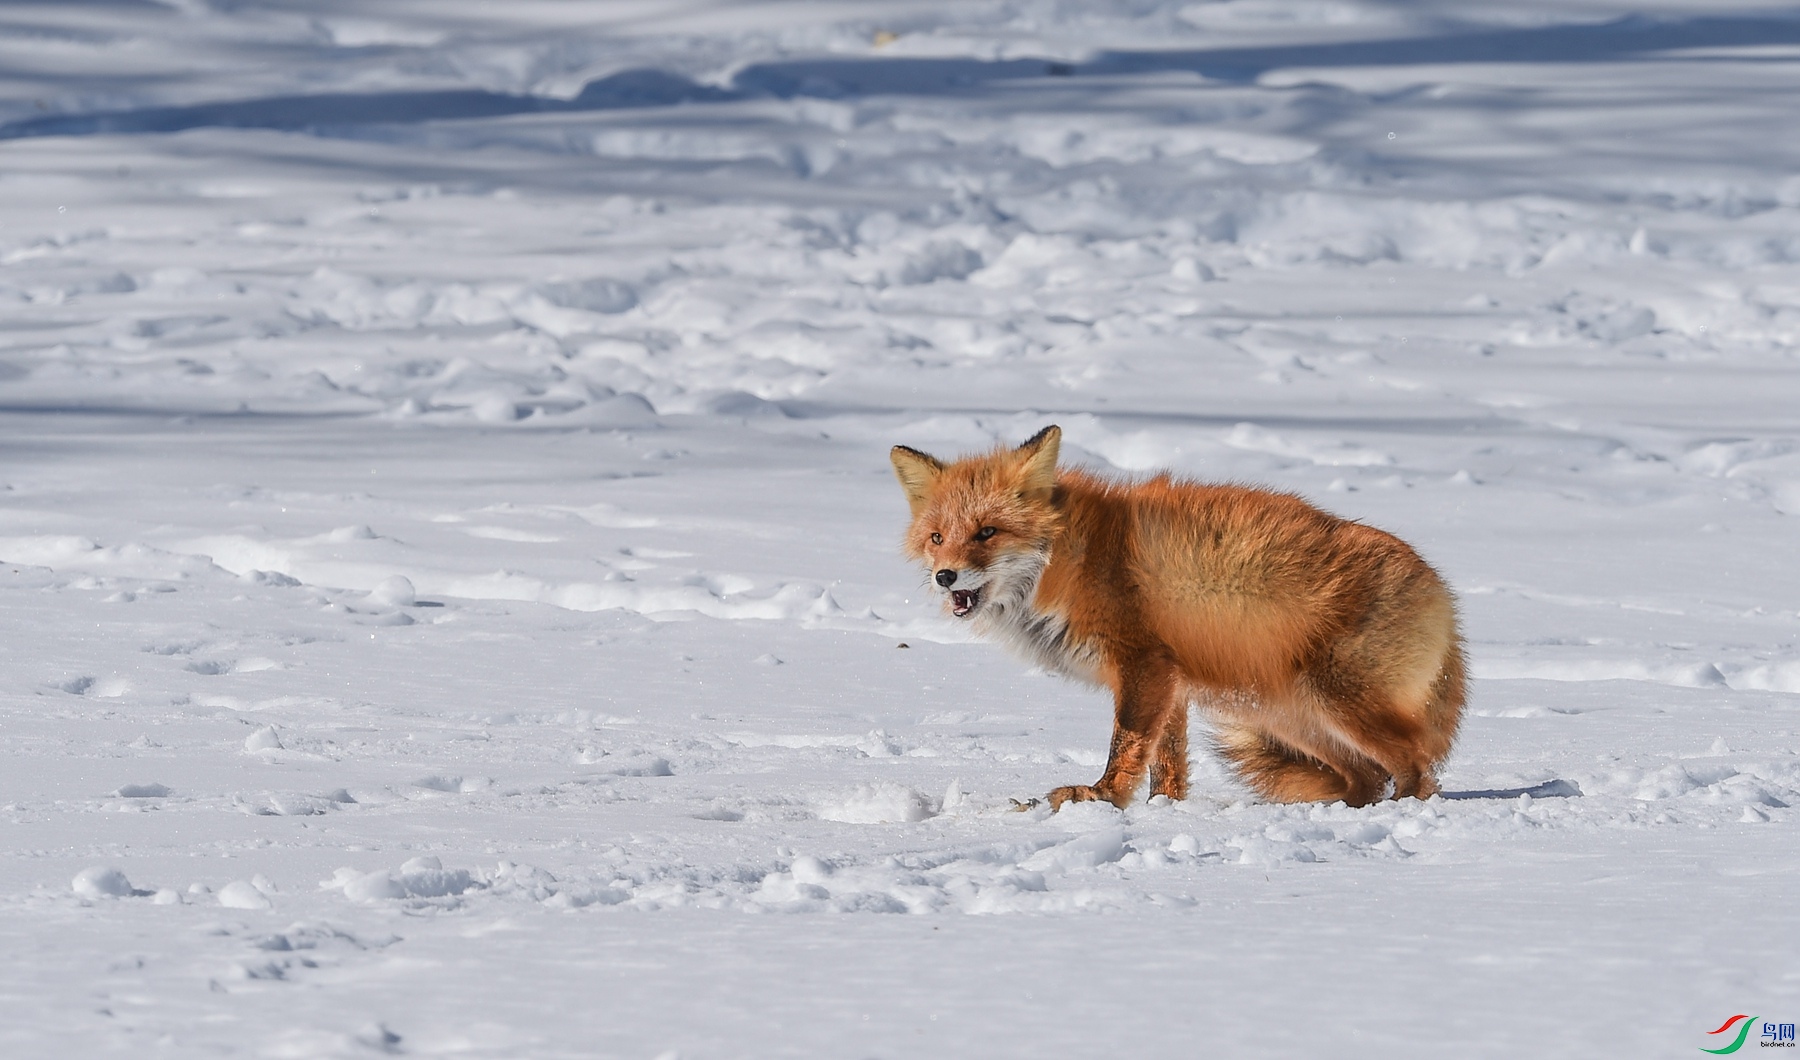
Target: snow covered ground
<point>451,590</point>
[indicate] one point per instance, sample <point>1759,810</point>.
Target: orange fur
<point>1325,652</point>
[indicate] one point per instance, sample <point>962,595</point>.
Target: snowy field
<point>452,602</point>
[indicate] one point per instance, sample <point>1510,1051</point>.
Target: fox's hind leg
<point>1404,721</point>
<point>1394,688</point>
<point>1407,746</point>
<point>1392,740</point>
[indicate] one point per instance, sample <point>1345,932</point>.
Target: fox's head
<point>982,525</point>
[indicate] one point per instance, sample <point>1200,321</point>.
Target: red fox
<point>1325,653</point>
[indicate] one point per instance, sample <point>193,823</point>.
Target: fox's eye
<point>937,539</point>
<point>986,532</point>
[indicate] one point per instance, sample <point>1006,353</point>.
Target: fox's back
<point>1241,584</point>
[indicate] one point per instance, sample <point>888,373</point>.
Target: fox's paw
<point>1073,793</point>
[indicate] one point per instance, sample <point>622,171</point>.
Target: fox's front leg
<point>1143,701</point>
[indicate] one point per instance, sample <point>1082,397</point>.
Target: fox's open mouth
<point>963,601</point>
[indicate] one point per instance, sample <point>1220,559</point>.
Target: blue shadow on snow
<point>1549,789</point>
<point>840,78</point>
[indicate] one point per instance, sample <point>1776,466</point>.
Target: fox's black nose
<point>946,577</point>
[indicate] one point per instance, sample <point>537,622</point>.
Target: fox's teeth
<point>962,601</point>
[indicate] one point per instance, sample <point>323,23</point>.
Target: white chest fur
<point>1041,637</point>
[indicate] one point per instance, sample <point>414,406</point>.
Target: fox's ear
<point>1037,463</point>
<point>916,471</point>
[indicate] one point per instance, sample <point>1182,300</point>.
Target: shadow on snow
<point>1549,789</point>
<point>840,78</point>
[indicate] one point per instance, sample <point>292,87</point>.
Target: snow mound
<point>101,881</point>
<point>1083,852</point>
<point>243,894</point>
<point>396,591</point>
<point>263,739</point>
<point>143,791</point>
<point>419,878</point>
<point>880,803</point>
